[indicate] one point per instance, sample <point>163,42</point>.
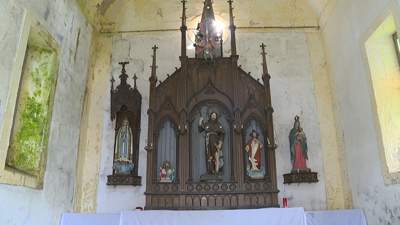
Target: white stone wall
<point>349,22</point>
<point>62,19</point>
<point>292,94</point>
<point>137,50</point>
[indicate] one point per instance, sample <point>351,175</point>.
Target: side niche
<point>126,105</point>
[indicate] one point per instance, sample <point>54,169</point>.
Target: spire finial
<point>123,75</point>
<point>154,66</point>
<point>183,30</point>
<point>231,13</point>
<point>232,27</point>
<point>135,78</point>
<point>184,13</point>
<point>112,83</point>
<point>123,66</point>
<point>265,68</point>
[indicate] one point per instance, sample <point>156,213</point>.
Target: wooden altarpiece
<point>222,84</point>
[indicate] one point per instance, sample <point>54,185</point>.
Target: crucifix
<point>123,66</point>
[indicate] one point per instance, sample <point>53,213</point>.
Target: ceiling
<point>124,16</point>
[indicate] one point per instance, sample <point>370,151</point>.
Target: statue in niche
<point>215,134</point>
<point>298,147</point>
<point>124,149</point>
<point>166,173</point>
<point>125,109</point>
<point>255,170</point>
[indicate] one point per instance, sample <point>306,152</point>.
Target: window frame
<point>396,46</point>
<point>8,174</point>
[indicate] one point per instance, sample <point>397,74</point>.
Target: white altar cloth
<point>270,216</point>
<point>336,217</point>
<point>88,219</point>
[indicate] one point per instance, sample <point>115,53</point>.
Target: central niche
<point>198,141</point>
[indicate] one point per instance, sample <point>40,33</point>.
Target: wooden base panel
<point>117,179</point>
<point>300,177</point>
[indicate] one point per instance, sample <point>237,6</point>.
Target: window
<point>30,131</point>
<point>30,105</point>
<point>385,94</point>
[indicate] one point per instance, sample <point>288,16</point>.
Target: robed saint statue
<point>215,134</point>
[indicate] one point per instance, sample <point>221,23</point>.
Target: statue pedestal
<point>256,174</point>
<point>123,179</point>
<point>211,177</point>
<point>300,176</point>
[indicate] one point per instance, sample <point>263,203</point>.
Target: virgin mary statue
<point>123,149</point>
<point>298,147</point>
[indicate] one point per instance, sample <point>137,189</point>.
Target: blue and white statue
<point>124,149</point>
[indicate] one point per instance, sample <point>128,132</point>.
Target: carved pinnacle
<point>154,65</point>
<point>265,68</point>
<point>135,78</point>
<point>112,83</point>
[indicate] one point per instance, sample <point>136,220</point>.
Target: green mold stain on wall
<point>32,122</point>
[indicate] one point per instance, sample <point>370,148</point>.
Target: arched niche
<point>166,146</point>
<point>253,122</point>
<point>198,140</point>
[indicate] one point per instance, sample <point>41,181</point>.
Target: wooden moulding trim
<point>211,192</point>
<point>210,207</point>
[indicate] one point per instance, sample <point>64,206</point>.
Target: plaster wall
<point>63,20</point>
<point>292,94</point>
<point>137,50</point>
<point>349,76</point>
<point>292,91</point>
<point>91,126</point>
<point>129,16</point>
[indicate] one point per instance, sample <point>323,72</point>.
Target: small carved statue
<point>124,149</point>
<point>298,147</point>
<point>166,173</point>
<point>253,147</point>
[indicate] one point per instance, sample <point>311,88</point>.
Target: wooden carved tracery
<point>222,84</point>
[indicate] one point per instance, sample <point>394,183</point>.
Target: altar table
<point>270,216</point>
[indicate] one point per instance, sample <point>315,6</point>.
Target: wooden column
<point>269,110</point>
<point>150,135</point>
<point>183,139</point>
